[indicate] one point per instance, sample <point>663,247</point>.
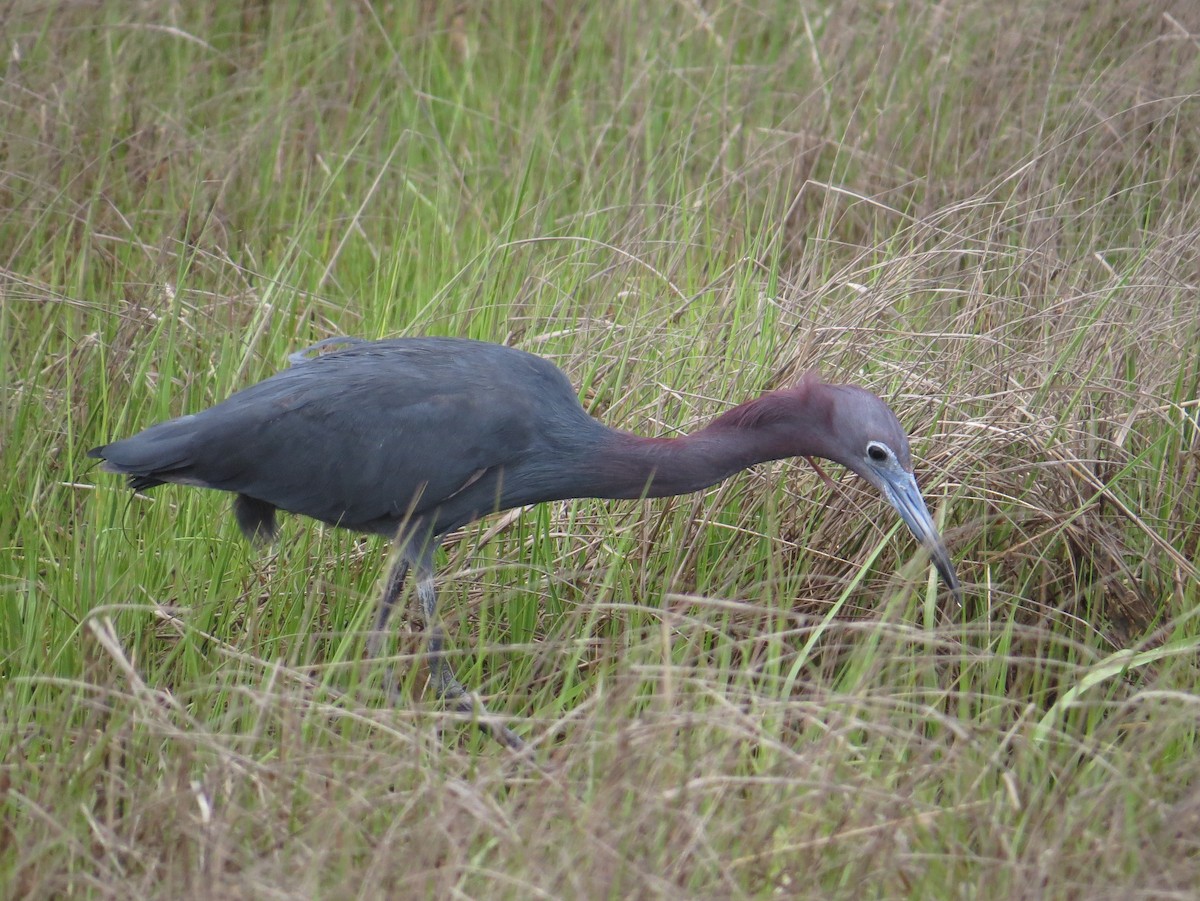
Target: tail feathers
<point>160,454</point>
<point>141,483</point>
<point>142,474</point>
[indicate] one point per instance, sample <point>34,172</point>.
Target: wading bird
<point>414,437</point>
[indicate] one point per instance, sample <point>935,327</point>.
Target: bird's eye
<point>878,452</point>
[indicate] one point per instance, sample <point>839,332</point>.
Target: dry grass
<point>986,213</point>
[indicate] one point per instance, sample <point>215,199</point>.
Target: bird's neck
<point>630,466</point>
<point>663,467</point>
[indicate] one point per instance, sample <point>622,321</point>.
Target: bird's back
<point>371,436</point>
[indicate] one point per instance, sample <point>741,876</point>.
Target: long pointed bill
<point>902,493</point>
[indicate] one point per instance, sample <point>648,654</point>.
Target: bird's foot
<point>455,695</point>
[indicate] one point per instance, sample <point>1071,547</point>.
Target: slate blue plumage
<point>414,437</point>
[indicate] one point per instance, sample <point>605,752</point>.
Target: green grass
<point>986,214</point>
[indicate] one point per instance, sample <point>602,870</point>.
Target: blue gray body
<point>373,437</point>
<point>413,437</point>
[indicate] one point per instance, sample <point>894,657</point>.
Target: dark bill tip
<point>902,493</point>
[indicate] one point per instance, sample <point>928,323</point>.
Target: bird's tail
<point>162,453</point>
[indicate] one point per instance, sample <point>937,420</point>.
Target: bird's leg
<point>445,683</point>
<point>391,593</point>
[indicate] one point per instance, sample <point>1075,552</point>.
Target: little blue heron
<point>414,437</point>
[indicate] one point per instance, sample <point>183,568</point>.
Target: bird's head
<point>865,436</point>
<point>853,427</point>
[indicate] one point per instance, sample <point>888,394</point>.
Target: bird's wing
<point>342,446</point>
